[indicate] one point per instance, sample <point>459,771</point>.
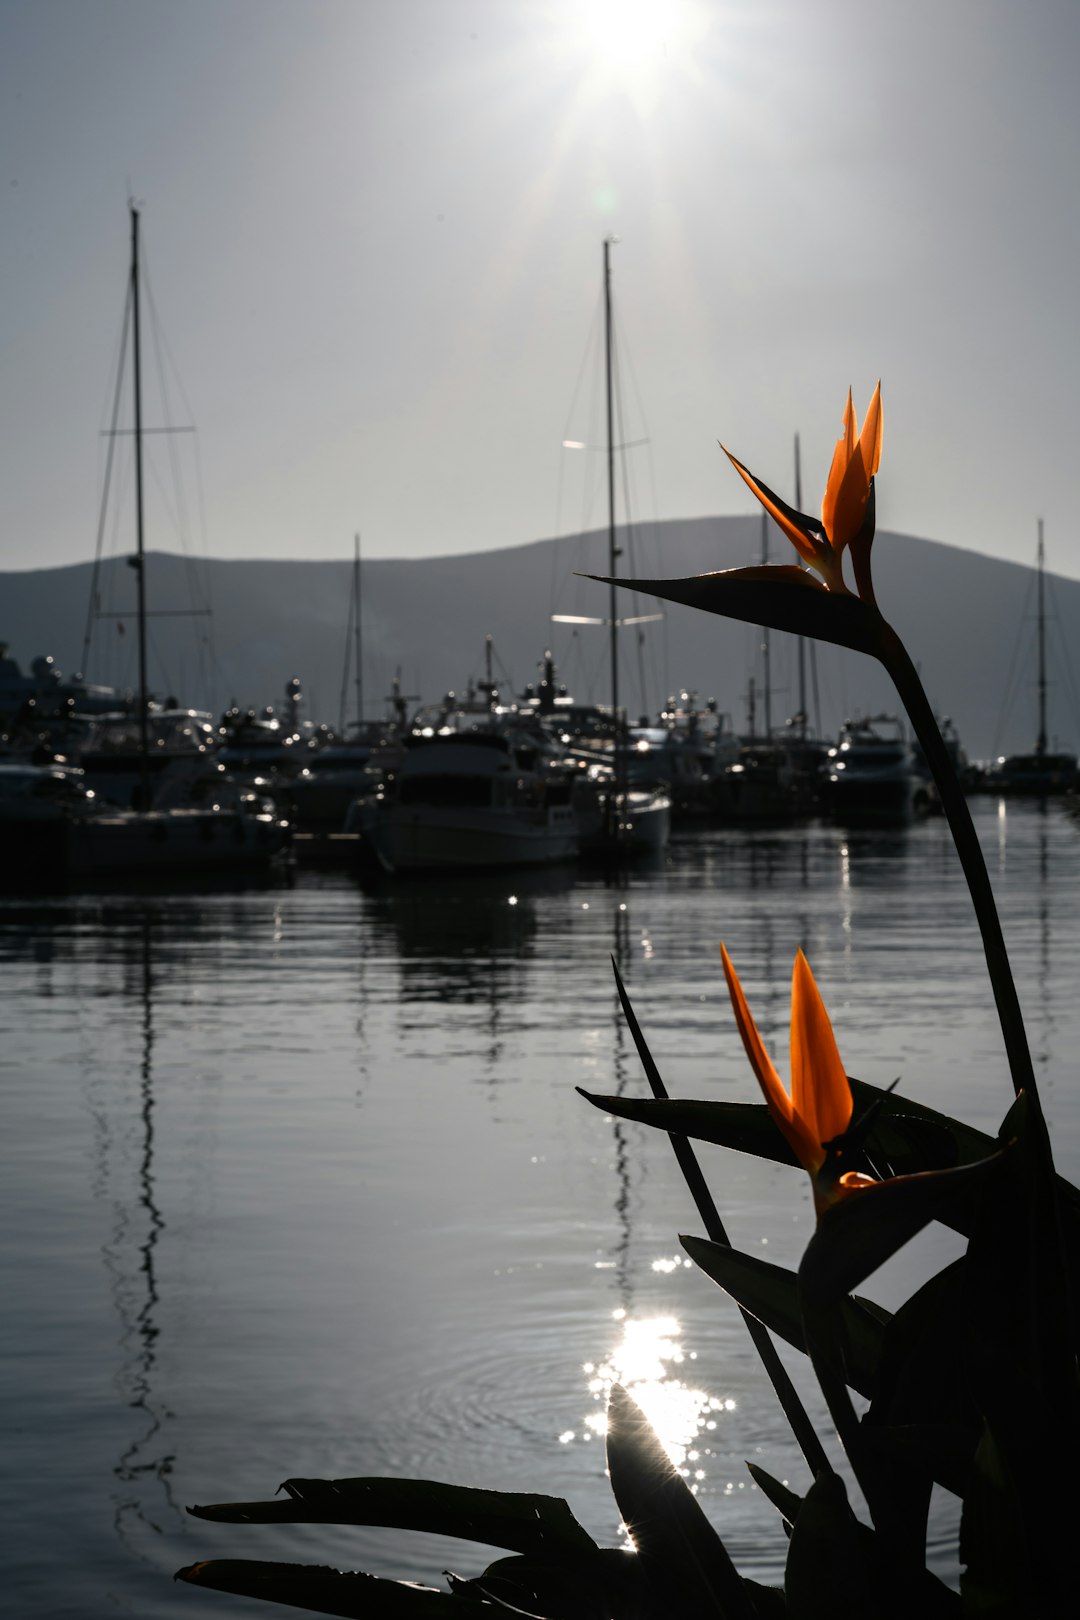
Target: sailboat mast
<point>139,560</point>
<point>801,641</point>
<point>612,548</point>
<point>357,636</point>
<point>1040,744</point>
<point>766,649</point>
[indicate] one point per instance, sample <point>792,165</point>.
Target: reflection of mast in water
<point>621,1251</point>
<point>1042,1051</point>
<point>138,1298</point>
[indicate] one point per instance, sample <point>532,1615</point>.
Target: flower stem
<point>894,656</point>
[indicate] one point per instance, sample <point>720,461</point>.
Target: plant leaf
<point>826,1572</point>
<point>924,1396</point>
<point>782,597</point>
<point>522,1522</point>
<point>858,1235</point>
<point>330,1591</point>
<point>786,1501</point>
<point>682,1552</point>
<point>592,1587</point>
<point>905,1136</point>
<point>771,1293</point>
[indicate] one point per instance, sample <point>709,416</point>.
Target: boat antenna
<point>1040,742</point>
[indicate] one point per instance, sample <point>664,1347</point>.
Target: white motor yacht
<point>482,793</point>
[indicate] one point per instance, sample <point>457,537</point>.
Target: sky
<point>373,230</point>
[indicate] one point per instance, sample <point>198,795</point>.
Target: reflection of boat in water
<point>1040,773</point>
<point>870,775</point>
<point>474,795</point>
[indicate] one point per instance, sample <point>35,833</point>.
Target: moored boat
<point>486,795</point>
<point>870,775</point>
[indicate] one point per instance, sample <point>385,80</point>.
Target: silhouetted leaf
<point>522,1522</point>
<point>782,597</point>
<point>330,1591</point>
<point>683,1554</point>
<point>786,1501</point>
<point>771,1293</point>
<point>826,1571</point>
<point>593,1587</point>
<point>924,1392</point>
<point>855,1237</point>
<point>905,1137</point>
<point>998,1579</point>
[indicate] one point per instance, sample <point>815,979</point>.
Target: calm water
<point>297,1181</point>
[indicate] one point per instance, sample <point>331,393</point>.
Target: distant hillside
<point>968,621</point>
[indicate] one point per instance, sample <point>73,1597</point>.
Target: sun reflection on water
<point>648,1360</point>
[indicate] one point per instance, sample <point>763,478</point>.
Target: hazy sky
<point>373,234</point>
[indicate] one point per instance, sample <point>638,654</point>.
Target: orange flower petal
<point>808,550</point>
<point>820,1091</point>
<point>870,437</point>
<point>807,1151</point>
<point>850,503</point>
<point>845,449</point>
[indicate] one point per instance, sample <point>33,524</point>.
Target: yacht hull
<point>420,838</point>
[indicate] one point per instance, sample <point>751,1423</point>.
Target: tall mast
<point>801,639</point>
<point>139,560</point>
<point>357,636</point>
<point>765,647</point>
<point>612,548</point>
<point>1040,743</point>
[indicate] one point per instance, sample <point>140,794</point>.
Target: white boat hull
<point>416,838</point>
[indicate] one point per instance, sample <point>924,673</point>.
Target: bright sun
<point>630,44</point>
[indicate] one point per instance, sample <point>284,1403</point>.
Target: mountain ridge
<point>961,614</point>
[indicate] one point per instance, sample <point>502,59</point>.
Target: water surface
<point>297,1181</point>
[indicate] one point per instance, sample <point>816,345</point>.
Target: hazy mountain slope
<point>968,621</point>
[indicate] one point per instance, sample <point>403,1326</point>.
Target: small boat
<point>474,796</point>
<point>871,774</point>
<point>55,832</point>
<point>765,782</point>
<point>57,821</point>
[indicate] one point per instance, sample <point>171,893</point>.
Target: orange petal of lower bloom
<point>807,1150</point>
<point>820,1090</point>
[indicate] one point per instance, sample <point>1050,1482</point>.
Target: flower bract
<point>847,509</point>
<point>817,1112</point>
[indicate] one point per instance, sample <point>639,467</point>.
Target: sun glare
<point>626,35</point>
<point>630,45</point>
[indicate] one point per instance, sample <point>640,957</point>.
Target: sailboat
<point>87,838</point>
<point>348,767</point>
<point>1040,773</point>
<point>616,822</point>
